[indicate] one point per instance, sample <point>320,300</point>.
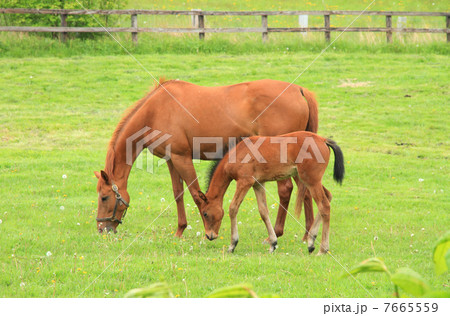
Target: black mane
<point>213,167</point>
<point>212,170</point>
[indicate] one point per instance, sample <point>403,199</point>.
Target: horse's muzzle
<point>211,236</point>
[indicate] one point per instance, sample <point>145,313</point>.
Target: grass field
<point>388,112</point>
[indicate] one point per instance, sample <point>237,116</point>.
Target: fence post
<point>134,24</point>
<point>201,25</point>
<point>448,26</point>
<point>389,27</point>
<point>63,24</point>
<point>327,26</point>
<point>264,24</point>
<point>303,22</point>
<point>194,18</point>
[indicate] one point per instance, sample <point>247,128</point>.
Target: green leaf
<point>156,290</point>
<point>369,265</point>
<point>438,294</point>
<point>235,291</point>
<point>410,281</point>
<point>441,254</point>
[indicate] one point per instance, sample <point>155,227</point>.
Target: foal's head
<point>212,214</point>
<point>112,203</point>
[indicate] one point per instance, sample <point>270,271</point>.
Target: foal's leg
<point>284,192</point>
<point>323,204</point>
<point>309,213</point>
<point>242,187</point>
<point>177,186</point>
<point>260,193</point>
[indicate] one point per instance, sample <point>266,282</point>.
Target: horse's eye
<point>105,198</point>
<point>204,214</point>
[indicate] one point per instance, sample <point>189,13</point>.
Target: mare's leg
<point>304,196</point>
<point>185,168</point>
<point>323,204</point>
<point>177,186</point>
<point>260,193</point>
<point>284,192</point>
<point>242,187</point>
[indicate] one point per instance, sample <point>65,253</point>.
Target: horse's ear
<point>202,196</point>
<point>97,174</point>
<point>105,176</point>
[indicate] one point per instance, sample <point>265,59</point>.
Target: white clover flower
<point>421,180</point>
<point>48,253</point>
<point>423,229</point>
<point>78,224</point>
<point>239,223</point>
<point>189,227</point>
<point>64,176</point>
<point>31,77</point>
<point>375,238</point>
<point>163,200</point>
<point>198,234</point>
<point>188,205</point>
<point>61,208</point>
<point>412,235</point>
<point>22,284</point>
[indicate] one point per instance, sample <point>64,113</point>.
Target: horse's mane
<point>211,170</point>
<point>127,115</point>
<point>213,167</point>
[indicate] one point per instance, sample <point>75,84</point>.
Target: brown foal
<point>301,155</point>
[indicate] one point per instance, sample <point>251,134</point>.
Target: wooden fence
<point>200,28</point>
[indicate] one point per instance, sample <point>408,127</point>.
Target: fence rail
<point>200,28</point>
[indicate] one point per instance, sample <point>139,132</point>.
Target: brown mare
<point>185,111</point>
<point>283,157</point>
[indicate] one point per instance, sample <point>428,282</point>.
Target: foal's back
<point>279,157</point>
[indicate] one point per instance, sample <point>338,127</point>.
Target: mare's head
<point>112,203</point>
<point>212,214</point>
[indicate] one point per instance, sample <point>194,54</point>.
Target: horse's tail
<point>313,105</point>
<point>339,168</point>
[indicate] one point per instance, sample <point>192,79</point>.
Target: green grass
<point>56,118</point>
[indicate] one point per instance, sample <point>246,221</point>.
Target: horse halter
<point>119,199</point>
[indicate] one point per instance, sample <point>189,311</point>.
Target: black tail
<point>339,168</point>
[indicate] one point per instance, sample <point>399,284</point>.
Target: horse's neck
<point>125,150</point>
<point>219,184</point>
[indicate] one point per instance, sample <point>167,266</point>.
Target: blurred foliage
<point>55,20</point>
<point>407,279</point>
<point>162,290</point>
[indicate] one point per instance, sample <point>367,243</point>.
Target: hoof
<point>231,249</point>
<point>321,253</point>
<point>273,247</point>
<point>180,231</point>
<point>311,249</point>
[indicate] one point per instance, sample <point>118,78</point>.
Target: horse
<point>277,158</point>
<point>176,113</point>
